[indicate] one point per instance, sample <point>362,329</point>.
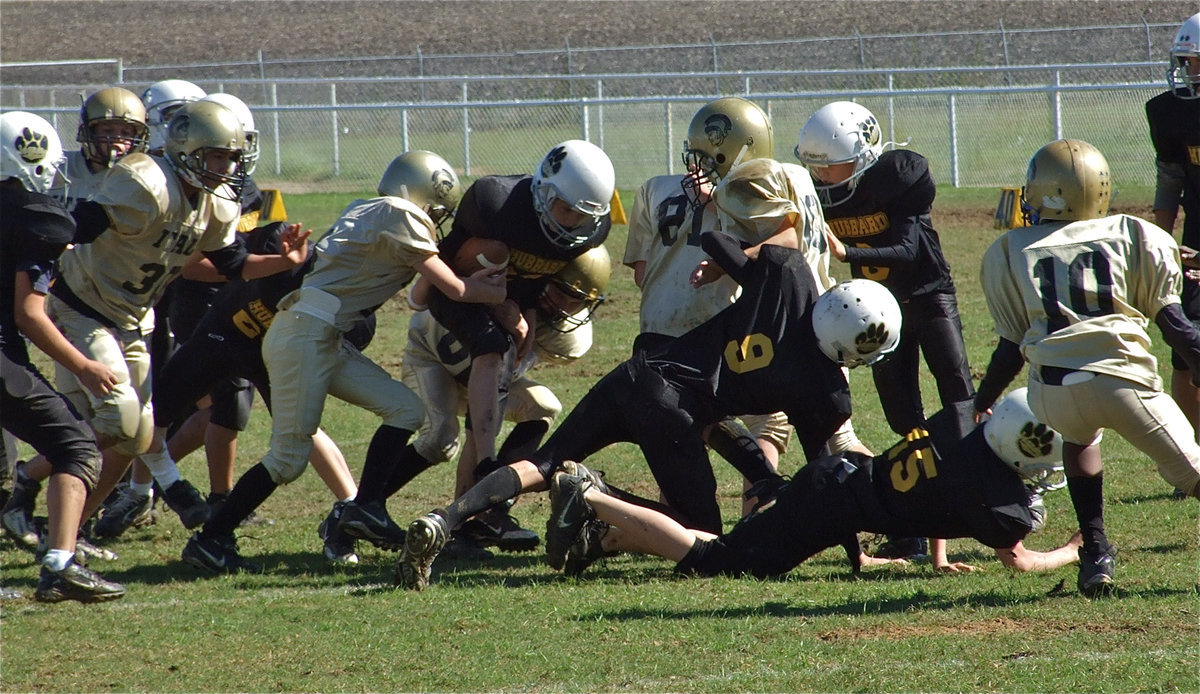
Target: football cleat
<point>587,549</point>
<point>75,582</point>
<point>911,548</point>
<point>1097,573</point>
<point>338,547</point>
<point>371,522</point>
<point>185,500</point>
<point>425,538</point>
<point>459,548</point>
<point>495,528</point>
<point>568,513</point>
<point>17,517</point>
<point>218,555</point>
<point>129,510</point>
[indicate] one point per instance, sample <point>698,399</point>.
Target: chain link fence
<point>977,121</point>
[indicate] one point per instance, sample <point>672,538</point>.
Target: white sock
<point>57,559</point>
<point>141,488</point>
<point>162,467</point>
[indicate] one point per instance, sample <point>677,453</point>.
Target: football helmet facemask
<point>242,111</point>
<point>1032,449</point>
<point>581,284</point>
<point>723,133</point>
<point>30,151</point>
<point>161,100</point>
<point>426,180</point>
<point>117,106</point>
<point>1066,180</point>
<point>196,129</point>
<point>838,133</point>
<point>857,322</point>
<point>581,175</point>
<point>1184,83</point>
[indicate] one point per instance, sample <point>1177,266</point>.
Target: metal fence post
<point>404,147</point>
<point>275,127</point>
<point>585,124</point>
<point>466,131</point>
<point>337,159</point>
<point>953,140</point>
<point>670,137</point>
<point>1056,106</point>
<point>600,111</point>
<point>891,107</point>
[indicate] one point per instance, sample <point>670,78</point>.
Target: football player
<point>930,483</point>
<point>877,204</point>
<point>374,249</point>
<point>1072,296</point>
<point>758,356</point>
<point>34,229</point>
<point>668,217</point>
<point>148,217</point>
<point>162,99</point>
<point>437,367</point>
<point>546,220</point>
<point>1173,117</point>
<point>112,123</point>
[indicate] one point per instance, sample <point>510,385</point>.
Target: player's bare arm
<point>29,310</point>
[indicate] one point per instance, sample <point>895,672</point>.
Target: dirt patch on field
<point>999,625</point>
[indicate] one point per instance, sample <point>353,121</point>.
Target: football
<point>478,253</point>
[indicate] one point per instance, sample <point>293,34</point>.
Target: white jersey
<point>664,233</point>
<point>83,182</point>
<point>1079,295</point>
<point>369,255</point>
<point>153,230</point>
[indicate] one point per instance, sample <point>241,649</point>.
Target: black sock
<point>734,442</point>
<point>522,441</point>
<point>1087,496</point>
<point>497,487</point>
<point>411,464</point>
<point>248,494</point>
<point>381,462</point>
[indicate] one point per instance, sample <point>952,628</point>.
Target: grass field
<point>511,624</point>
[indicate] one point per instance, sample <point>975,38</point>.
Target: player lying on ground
<point>922,486</point>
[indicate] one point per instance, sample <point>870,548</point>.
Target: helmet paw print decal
<point>1036,440</point>
<point>33,147</point>
<point>871,339</point>
<point>553,161</point>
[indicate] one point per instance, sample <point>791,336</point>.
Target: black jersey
<point>1175,132</point>
<point>760,354</point>
<point>501,207</point>
<point>959,490</point>
<point>887,230</point>
<point>34,230</point>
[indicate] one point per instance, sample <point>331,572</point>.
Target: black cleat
<point>218,555</point>
<point>185,500</point>
<point>129,510</point>
<point>1097,572</point>
<point>569,511</point>
<point>587,549</point>
<point>494,528</point>
<point>371,522</point>
<point>911,548</point>
<point>426,537</point>
<point>338,546</point>
<point>75,582</point>
<point>17,516</point>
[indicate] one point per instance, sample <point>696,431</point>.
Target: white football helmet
<point>581,175</point>
<point>857,322</point>
<point>161,100</point>
<point>30,150</point>
<point>838,133</point>
<point>1185,83</point>
<point>246,118</point>
<point>1026,445</point>
<point>196,128</point>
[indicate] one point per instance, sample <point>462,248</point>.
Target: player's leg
<point>946,355</point>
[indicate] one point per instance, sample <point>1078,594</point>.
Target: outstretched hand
<point>956,567</point>
<point>293,244</point>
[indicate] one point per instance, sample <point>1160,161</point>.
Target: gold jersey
<point>369,254</point>
<point>153,229</point>
<point>1079,295</point>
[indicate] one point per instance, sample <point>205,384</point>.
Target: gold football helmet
<point>426,180</point>
<point>576,290</point>
<point>723,133</point>
<point>1066,180</point>
<point>195,131</point>
<point>115,106</point>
